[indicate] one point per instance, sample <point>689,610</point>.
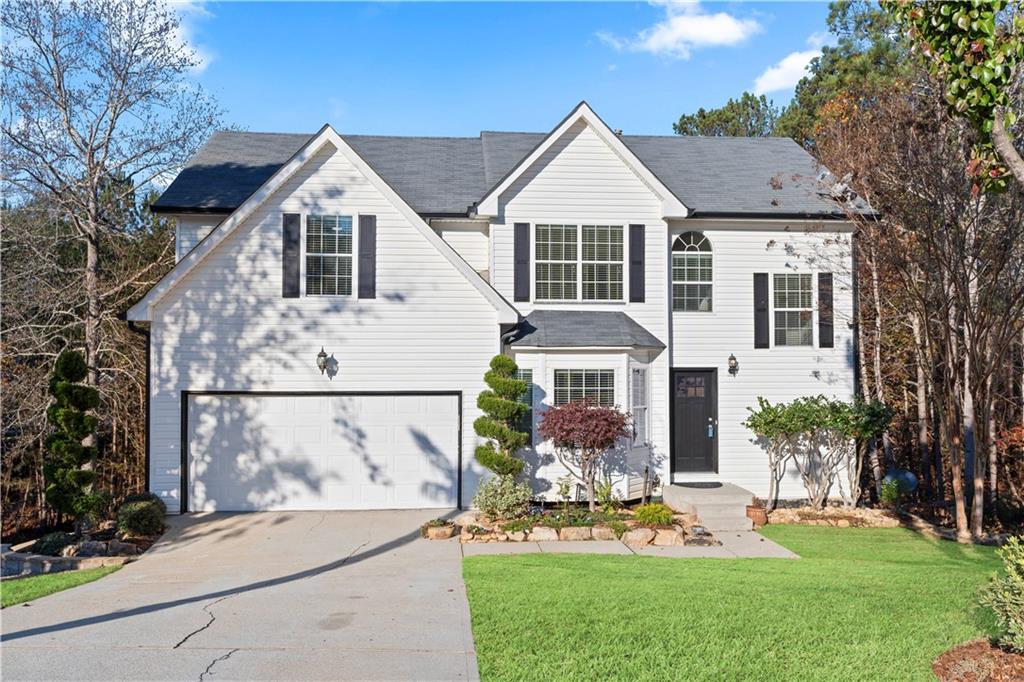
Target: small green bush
<point>146,497</point>
<point>141,518</point>
<point>51,544</point>
<point>607,498</point>
<point>618,527</point>
<point>654,514</point>
<point>891,493</point>
<point>522,525</point>
<point>502,497</point>
<point>1005,595</point>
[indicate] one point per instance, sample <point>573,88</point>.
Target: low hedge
<point>141,515</point>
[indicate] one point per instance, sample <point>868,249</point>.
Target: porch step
<point>719,506</point>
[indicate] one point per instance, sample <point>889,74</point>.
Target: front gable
<point>596,160</point>
<point>350,185</point>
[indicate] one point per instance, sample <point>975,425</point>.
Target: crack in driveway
<point>206,608</point>
<point>215,662</point>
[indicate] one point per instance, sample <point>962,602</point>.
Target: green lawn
<point>861,604</point>
<point>26,589</point>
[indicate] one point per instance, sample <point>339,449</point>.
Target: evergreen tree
<point>503,410</point>
<point>68,485</point>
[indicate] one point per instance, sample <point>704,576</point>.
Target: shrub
<point>891,493</point>
<point>654,514</point>
<point>502,497</point>
<point>522,525</point>
<point>618,527</point>
<point>434,523</point>
<point>146,497</point>
<point>1005,595</point>
<point>503,411</point>
<point>606,496</point>
<point>51,544</point>
<point>142,518</point>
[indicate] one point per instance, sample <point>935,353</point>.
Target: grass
<point>861,604</point>
<point>27,589</point>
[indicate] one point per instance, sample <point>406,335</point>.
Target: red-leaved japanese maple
<point>582,433</point>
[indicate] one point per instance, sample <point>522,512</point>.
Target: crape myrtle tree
<point>582,433</point>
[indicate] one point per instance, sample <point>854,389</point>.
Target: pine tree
<point>503,409</point>
<point>67,483</point>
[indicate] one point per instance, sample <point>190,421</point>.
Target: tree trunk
<point>879,387</point>
<point>876,467</point>
<point>1003,142</point>
<point>92,322</point>
<point>923,443</point>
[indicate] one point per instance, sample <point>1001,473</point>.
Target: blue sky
<point>458,68</point>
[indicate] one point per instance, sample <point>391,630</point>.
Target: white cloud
<point>786,73</point>
<point>190,13</point>
<point>686,27</point>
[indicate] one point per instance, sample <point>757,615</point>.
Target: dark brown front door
<point>694,420</point>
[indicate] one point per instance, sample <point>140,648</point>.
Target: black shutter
<point>825,324</point>
<point>521,289</point>
<point>761,310</point>
<point>367,256</point>
<point>291,252</point>
<point>636,263</point>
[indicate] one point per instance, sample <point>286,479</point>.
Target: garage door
<point>272,452</point>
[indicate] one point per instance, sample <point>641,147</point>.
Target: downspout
<point>133,327</point>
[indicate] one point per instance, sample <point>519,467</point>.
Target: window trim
<point>579,225</point>
<point>813,309</point>
<point>672,280</point>
<point>554,382</point>
<point>531,391</point>
<point>354,255</point>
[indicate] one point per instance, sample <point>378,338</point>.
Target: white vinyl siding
<point>705,341</point>
<point>226,326</point>
<point>189,230</point>
<point>793,296</point>
<point>328,264</point>
<point>572,385</point>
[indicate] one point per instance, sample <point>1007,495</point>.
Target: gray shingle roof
<point>582,328</point>
<point>446,175</point>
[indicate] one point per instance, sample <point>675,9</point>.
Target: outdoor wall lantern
<point>734,365</point>
<point>321,360</point>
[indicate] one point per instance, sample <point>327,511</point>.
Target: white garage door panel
<point>277,453</point>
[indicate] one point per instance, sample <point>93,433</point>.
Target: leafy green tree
<point>748,116</point>
<point>503,411</point>
<point>977,49</point>
<point>869,55</point>
<point>68,484</point>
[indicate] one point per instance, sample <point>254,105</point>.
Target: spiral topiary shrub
<point>68,485</point>
<point>503,411</point>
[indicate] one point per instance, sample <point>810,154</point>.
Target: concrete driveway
<point>282,596</point>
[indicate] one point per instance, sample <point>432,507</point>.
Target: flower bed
<point>837,516</point>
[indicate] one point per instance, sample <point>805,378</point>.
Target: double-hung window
<point>572,385</point>
<point>579,262</point>
<point>794,315</point>
<point>638,405</point>
<point>329,255</point>
<point>691,273</point>
<point>526,421</point>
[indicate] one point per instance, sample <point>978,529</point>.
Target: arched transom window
<point>691,273</point>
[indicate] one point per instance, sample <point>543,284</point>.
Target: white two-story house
<point>322,339</point>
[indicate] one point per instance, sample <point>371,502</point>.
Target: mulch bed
<point>979,661</point>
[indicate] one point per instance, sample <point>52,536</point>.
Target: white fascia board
<point>142,311</point>
<point>671,206</point>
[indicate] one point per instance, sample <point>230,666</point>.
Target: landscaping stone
<point>840,517</point>
<point>638,536</point>
<point>603,533</point>
<point>543,534</point>
<point>516,535</point>
<point>667,538</point>
<point>701,541</point>
<point>574,533</point>
<point>465,537</point>
<point>469,518</point>
<point>440,532</point>
<point>501,537</point>
<point>118,548</point>
<point>686,519</point>
<point>85,548</point>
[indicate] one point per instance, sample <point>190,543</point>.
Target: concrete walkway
<point>271,596</point>
<point>735,545</point>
